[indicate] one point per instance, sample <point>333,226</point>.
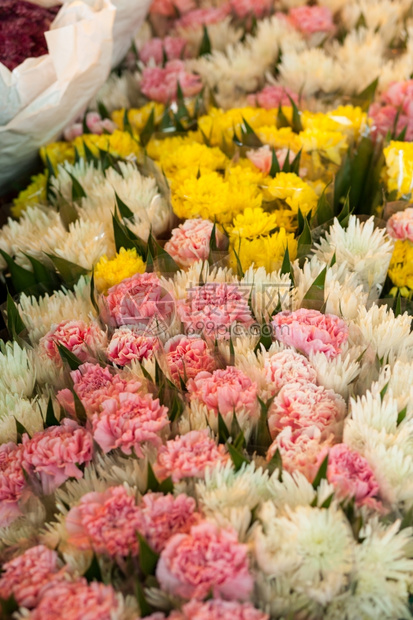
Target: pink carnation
<point>246,8</point>
<point>12,482</point>
<point>311,19</point>
<point>172,47</point>
<point>351,475</point>
<point>202,17</point>
<point>95,124</point>
<point>162,516</point>
<point>310,331</point>
<point>226,391</point>
<point>105,523</point>
<point>77,600</point>
<point>161,84</point>
<point>272,97</point>
<point>218,609</point>
<point>94,384</point>
<point>187,356</point>
<point>299,449</point>
<point>81,339</point>
<point>215,309</point>
<point>400,225</point>
<point>139,300</point>
<point>188,456</point>
<point>304,405</point>
<point>285,367</point>
<point>170,8</point>
<point>203,561</point>
<point>55,454</point>
<point>190,241</point>
<point>27,576</point>
<point>262,158</point>
<point>128,344</point>
<point>129,422</point>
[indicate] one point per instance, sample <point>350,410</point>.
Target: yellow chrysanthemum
<point>253,223</point>
<point>219,125</point>
<point>244,173</point>
<point>119,143</point>
<point>110,272</point>
<point>265,251</point>
<point>330,144</point>
<point>294,191</point>
<point>156,147</point>
<point>211,197</point>
<point>138,117</point>
<point>34,194</point>
<point>192,156</point>
<point>352,119</point>
<point>57,153</point>
<point>283,138</point>
<point>399,163</point>
<point>401,266</point>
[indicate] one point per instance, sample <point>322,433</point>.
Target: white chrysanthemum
<point>87,174</point>
<point>399,380</point>
<point>314,547</point>
<point>336,374</point>
<point>192,419</point>
<point>198,412</point>
<point>276,596</point>
<point>344,300</point>
<point>267,291</point>
<point>17,374</point>
<point>40,314</point>
<point>119,91</point>
<point>385,333</point>
<point>381,16</point>
<point>114,469</point>
<point>310,71</point>
<point>399,68</point>
<point>304,277</point>
<point>26,235</point>
<point>220,35</point>
<point>84,243</point>
<point>200,272</point>
<point>360,58</point>
<point>381,578</point>
<point>333,5</point>
<point>28,413</point>
<point>229,497</point>
<point>366,250</point>
<point>294,490</point>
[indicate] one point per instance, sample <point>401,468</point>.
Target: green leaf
<point>126,124</point>
<point>275,165</point>
<point>92,293</point>
<point>20,430</point>
<point>15,325</point>
<point>401,415</point>
<point>77,190</point>
<point>231,352</point>
<point>205,43</point>
<point>21,278</point>
<point>149,129</point>
<point>249,137</point>
<point>327,502</point>
<point>94,572</point>
<point>276,463</point>
<point>402,135</point>
<point>8,607</point>
<point>103,110</point>
<point>286,266</point>
<point>69,271</point>
<point>397,306</point>
<point>359,168</point>
<point>148,558</point>
<point>342,181</point>
<point>67,212</point>
<point>153,482</point>
<point>51,419</point>
<point>240,271</point>
<point>262,434</point>
<point>144,607</point>
<point>237,457</point>
<point>304,240</point>
<point>321,474</point>
<point>282,120</point>
<point>367,95</point>
<point>165,262</point>
<point>317,287</point>
<point>123,209</point>
<point>296,121</point>
<point>67,356</point>
<point>166,486</point>
<point>43,275</point>
<point>324,211</point>
<point>344,215</point>
<point>295,164</point>
<point>384,390</point>
<point>223,432</point>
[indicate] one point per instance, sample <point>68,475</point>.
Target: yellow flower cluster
<point>34,194</point>
<point>288,187</point>
<point>401,267</point>
<point>399,167</point>
<point>110,272</point>
<point>219,126</point>
<point>138,117</point>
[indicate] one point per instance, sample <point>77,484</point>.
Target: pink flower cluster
<point>139,300</point>
<point>128,344</point>
<point>226,391</point>
<point>300,406</point>
<point>130,422</point>
<point>80,338</point>
<point>215,309</point>
<point>311,19</point>
<point>271,97</point>
<point>94,123</point>
<point>190,241</point>
<point>310,331</point>
<point>205,560</point>
<point>12,482</point>
<point>186,356</point>
<point>93,385</point>
<point>246,8</point>
<point>161,83</point>
<point>394,110</point>
<point>170,8</point>
<point>351,475</point>
<point>218,609</point>
<point>400,225</point>
<point>56,453</point>
<point>27,576</point>
<point>189,456</point>
<point>77,600</point>
<point>155,49</point>
<point>262,158</point>
<point>202,17</point>
<point>108,522</point>
<point>287,367</point>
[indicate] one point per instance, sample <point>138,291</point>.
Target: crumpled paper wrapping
<point>44,95</point>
